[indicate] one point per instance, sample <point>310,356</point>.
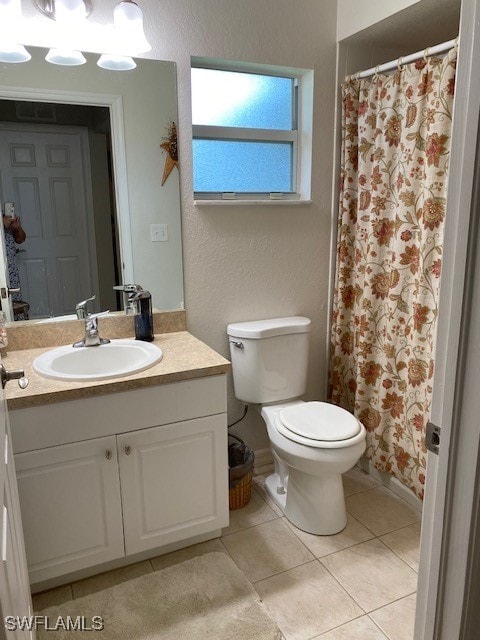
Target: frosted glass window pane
<point>263,167</point>
<point>234,99</point>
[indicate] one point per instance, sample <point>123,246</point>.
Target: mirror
<point>126,225</point>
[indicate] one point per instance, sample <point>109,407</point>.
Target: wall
<point>355,15</point>
<point>243,263</point>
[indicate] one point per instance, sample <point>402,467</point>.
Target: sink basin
<point>114,360</point>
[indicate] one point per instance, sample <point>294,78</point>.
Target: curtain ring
<point>399,63</point>
<point>375,75</point>
<point>426,53</point>
<point>457,42</point>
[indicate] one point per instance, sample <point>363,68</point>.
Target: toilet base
<point>315,504</point>
<point>272,484</point>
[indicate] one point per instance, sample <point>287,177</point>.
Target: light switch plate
<point>9,209</point>
<point>159,232</point>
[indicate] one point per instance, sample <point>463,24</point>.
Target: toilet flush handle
<point>237,344</point>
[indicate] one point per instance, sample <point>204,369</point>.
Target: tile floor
<point>357,585</point>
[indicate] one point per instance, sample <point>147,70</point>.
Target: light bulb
<point>11,52</point>
<point>65,57</point>
<point>114,62</point>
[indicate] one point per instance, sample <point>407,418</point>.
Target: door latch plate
<point>433,437</point>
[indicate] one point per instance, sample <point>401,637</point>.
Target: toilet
<point>312,443</point>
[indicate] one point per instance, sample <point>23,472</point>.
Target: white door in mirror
<point>114,360</point>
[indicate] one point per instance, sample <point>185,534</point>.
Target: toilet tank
<point>269,358</point>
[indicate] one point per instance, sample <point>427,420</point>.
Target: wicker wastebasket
<point>240,473</point>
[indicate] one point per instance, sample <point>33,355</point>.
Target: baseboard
<point>263,461</point>
<point>391,483</point>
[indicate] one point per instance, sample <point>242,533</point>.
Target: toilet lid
<point>319,421</point>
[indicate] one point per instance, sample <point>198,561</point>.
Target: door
<point>15,599</point>
<point>71,507</point>
<point>173,482</point>
<point>44,171</point>
<point>451,486</point>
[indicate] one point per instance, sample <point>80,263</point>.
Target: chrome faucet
<point>129,292</point>
<point>81,308</point>
<point>92,337</point>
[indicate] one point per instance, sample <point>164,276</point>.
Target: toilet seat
<point>320,425</point>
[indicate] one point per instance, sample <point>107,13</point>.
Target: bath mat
<point>205,598</point>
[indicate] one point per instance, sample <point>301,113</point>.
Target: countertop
<point>184,357</point>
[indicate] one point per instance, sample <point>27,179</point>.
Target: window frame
<point>299,136</point>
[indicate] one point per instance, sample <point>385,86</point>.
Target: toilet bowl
<point>307,482</point>
<point>312,443</point>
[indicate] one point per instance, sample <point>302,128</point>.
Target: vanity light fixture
<point>124,39</point>
<point>10,17</point>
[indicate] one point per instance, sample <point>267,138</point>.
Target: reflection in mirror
<point>80,157</point>
<point>60,178</point>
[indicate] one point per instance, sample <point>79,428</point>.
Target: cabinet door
<point>174,481</point>
<point>71,507</point>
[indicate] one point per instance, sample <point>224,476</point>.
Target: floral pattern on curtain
<point>395,152</point>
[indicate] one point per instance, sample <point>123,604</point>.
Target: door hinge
<point>433,437</point>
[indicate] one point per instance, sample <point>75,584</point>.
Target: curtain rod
<point>388,66</point>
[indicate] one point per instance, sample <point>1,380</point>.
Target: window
<point>245,134</point>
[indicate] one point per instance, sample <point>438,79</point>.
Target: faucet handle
<point>128,287</point>
<point>82,307</point>
<point>94,316</point>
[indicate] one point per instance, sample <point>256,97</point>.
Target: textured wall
<point>244,263</point>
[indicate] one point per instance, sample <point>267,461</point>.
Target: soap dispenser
<point>143,316</point>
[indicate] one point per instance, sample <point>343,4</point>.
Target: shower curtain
<point>395,152</point>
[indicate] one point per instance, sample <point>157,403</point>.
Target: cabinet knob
<point>108,454</point>
<point>128,449</point>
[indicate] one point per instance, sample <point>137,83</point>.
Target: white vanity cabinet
<point>172,479</point>
<point>112,476</point>
<point>71,506</point>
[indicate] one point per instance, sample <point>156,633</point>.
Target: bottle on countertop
<point>144,316</point>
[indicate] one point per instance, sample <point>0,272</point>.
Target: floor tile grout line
<point>344,588</point>
<point>298,537</point>
<point>279,573</point>
<point>319,637</point>
<point>382,486</point>
<point>358,520</point>
<point>396,554</point>
<point>259,493</point>
<point>378,535</point>
<point>339,626</point>
<point>252,526</point>
<point>356,544</point>
<point>392,602</point>
<point>399,556</point>
<point>378,627</point>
